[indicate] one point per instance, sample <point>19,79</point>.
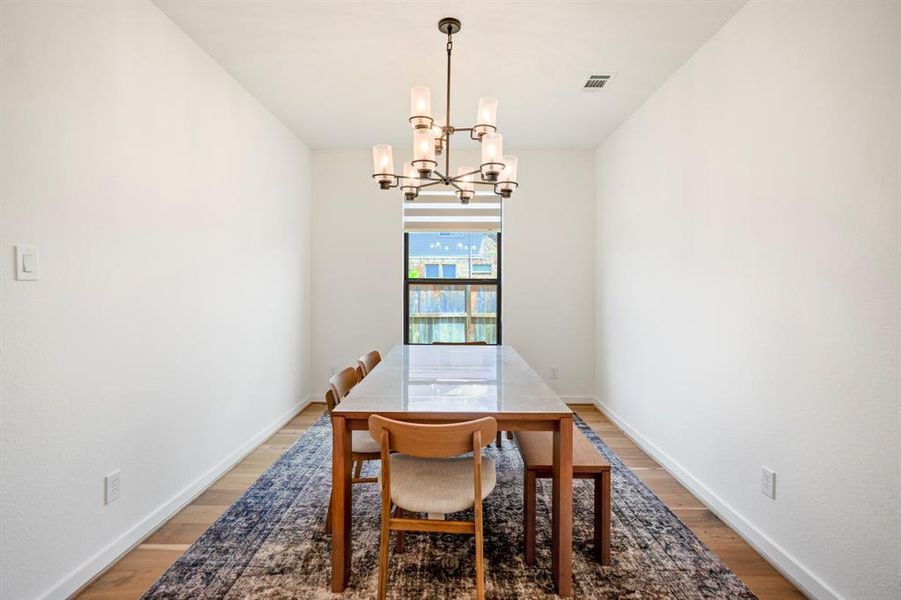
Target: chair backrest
<point>340,385</point>
<point>368,362</point>
<point>433,441</point>
<point>330,400</point>
<point>479,343</point>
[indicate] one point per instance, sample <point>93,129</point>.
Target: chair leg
<point>602,518</point>
<point>358,469</point>
<point>509,435</point>
<point>399,544</point>
<point>480,566</point>
<point>528,512</point>
<point>328,515</point>
<point>499,440</point>
<point>383,560</point>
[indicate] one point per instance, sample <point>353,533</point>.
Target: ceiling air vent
<point>596,83</point>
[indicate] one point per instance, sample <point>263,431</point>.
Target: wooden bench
<point>537,451</point>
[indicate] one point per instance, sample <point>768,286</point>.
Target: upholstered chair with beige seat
<point>363,447</point>
<point>427,475</point>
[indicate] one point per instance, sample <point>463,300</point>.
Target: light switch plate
<point>26,263</point>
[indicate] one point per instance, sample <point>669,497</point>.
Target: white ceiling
<point>338,73</point>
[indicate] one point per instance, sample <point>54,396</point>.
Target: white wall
<point>358,254</point>
<point>170,326</point>
<point>749,284</point>
<point>548,264</point>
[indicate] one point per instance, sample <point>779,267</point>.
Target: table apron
<point>517,423</point>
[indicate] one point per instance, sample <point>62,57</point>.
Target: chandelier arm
<point>462,175</point>
<point>396,178</point>
<point>476,137</point>
<point>431,183</point>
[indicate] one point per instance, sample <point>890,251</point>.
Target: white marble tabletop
<point>452,379</point>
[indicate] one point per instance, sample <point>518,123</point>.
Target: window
<point>452,287</point>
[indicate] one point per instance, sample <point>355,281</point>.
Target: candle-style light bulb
<point>466,175</point>
<point>486,117</point>
<point>383,165</point>
<point>492,154</point>
<point>420,107</point>
<point>424,151</point>
<point>506,180</point>
<point>410,182</point>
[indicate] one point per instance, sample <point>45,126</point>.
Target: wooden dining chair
<point>368,361</point>
<point>363,447</point>
<point>428,475</point>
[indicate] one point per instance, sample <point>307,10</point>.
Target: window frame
<point>445,281</point>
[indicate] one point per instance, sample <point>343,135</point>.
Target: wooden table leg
<point>341,495</point>
<point>605,510</point>
<point>562,517</point>
<point>528,515</point>
<point>602,518</point>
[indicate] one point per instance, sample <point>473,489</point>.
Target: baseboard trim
<point>88,572</point>
<point>97,565</point>
<point>808,583</point>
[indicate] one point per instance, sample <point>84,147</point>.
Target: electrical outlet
<point>112,484</point>
<point>555,372</point>
<point>767,482</point>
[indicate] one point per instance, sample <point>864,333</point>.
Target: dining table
<point>450,384</point>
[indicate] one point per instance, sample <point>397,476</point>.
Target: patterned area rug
<point>271,544</point>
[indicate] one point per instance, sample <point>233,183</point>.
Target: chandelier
<point>432,136</point>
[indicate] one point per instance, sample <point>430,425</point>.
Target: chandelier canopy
<point>431,137</point>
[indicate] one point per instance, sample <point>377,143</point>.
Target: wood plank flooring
<point>138,569</point>
<point>763,579</point>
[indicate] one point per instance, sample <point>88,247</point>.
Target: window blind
<point>442,211</point>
